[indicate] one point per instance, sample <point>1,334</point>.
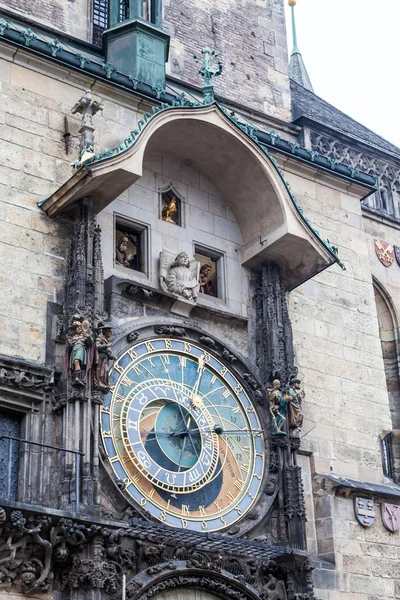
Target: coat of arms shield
<point>385,252</point>
<point>397,254</point>
<point>364,509</point>
<point>391,516</point>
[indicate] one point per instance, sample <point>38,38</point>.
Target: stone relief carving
<point>274,339</point>
<point>170,330</point>
<point>179,275</point>
<point>12,375</point>
<point>84,278</point>
<point>42,553</point>
<point>33,544</point>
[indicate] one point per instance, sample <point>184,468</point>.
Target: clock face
<point>181,434</point>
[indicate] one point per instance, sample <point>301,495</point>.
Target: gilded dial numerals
<point>182,434</point>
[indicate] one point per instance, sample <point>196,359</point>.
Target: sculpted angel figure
<point>181,276</point>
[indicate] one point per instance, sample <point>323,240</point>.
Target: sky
<point>351,50</point>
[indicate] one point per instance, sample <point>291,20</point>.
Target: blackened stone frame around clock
<point>269,487</point>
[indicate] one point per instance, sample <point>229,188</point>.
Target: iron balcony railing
<point>12,440</point>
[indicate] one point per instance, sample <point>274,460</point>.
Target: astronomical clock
<point>183,435</point>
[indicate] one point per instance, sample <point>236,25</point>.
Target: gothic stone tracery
<point>388,173</point>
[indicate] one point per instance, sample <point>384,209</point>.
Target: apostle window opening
<point>211,271</point>
<point>130,245</point>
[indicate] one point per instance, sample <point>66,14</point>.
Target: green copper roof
<point>297,68</point>
<point>242,123</point>
<point>82,59</point>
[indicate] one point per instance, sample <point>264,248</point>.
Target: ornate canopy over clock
<point>182,434</point>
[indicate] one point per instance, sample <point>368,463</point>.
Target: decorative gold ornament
<point>197,402</point>
<point>169,210</point>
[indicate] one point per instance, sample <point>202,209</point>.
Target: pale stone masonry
<point>337,344</point>
<point>255,60</point>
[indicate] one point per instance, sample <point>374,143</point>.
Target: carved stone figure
<point>170,210</point>
<point>180,276</point>
<point>278,406</point>
<point>102,358</point>
<point>295,409</point>
<point>122,257</point>
<point>87,108</point>
<point>79,359</point>
<point>274,589</point>
<point>206,285</point>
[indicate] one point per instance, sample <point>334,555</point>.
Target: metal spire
<point>297,68</point>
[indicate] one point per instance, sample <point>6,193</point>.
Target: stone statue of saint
<point>278,406</point>
<point>180,276</point>
<point>78,345</point>
<point>295,409</point>
<point>102,358</point>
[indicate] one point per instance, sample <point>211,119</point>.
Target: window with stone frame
<point>211,271</point>
<point>131,241</point>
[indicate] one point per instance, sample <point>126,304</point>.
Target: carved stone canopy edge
<point>153,532</point>
<point>151,295</point>
<point>209,541</point>
<point>17,376</point>
<point>350,487</point>
<point>287,236</point>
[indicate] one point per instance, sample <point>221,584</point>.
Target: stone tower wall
<point>249,35</point>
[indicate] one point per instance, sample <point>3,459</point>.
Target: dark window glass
<point>101,16</point>
<point>124,10</point>
<point>100,20</point>
<point>10,425</point>
<point>386,451</point>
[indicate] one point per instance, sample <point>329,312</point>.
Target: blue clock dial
<point>182,434</point>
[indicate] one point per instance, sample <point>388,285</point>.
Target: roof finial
<point>211,68</point>
<point>297,68</point>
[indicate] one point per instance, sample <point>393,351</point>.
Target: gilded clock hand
<point>183,445</point>
<point>189,433</point>
<point>200,370</point>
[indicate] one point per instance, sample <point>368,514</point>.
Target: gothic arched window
<point>389,334</point>
<point>386,195</point>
